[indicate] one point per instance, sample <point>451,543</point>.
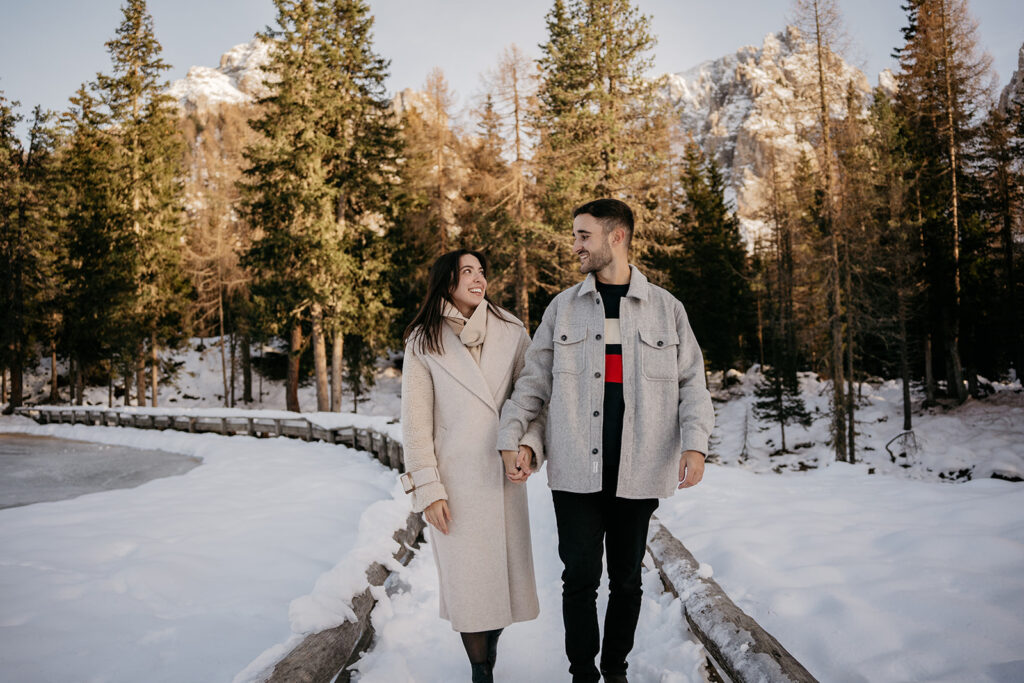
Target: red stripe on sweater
<point>613,368</point>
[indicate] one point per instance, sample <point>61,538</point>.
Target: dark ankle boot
<point>492,646</point>
<point>482,673</point>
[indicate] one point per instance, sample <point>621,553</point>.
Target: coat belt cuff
<point>413,480</point>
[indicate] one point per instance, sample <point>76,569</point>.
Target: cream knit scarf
<point>471,331</point>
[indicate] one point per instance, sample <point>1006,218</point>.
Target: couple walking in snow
<point>610,393</point>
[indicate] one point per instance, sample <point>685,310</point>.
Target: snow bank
<point>868,578</point>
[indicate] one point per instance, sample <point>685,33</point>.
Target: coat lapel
<point>458,363</point>
<point>499,356</point>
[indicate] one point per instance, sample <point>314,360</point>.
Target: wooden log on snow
<point>741,647</point>
<point>322,656</point>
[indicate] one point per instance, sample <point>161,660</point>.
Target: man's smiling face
<point>590,243</point>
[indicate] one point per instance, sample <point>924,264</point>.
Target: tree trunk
<point>954,370</point>
<point>838,399</point>
<point>140,376</point>
<point>323,398</point>
<point>223,357</point>
<point>851,407</point>
<point>3,385</point>
<point>337,359</point>
<point>522,291</point>
<point>952,336</point>
<point>154,369</point>
<point>246,369</point>
<point>232,338</point>
<point>901,310</point>
<point>1011,311</point>
<point>127,384</point>
<point>17,388</point>
<point>80,384</point>
<point>110,386</point>
<point>294,355</point>
<point>929,372</point>
<point>839,435</point>
<point>54,392</point>
<point>851,423</point>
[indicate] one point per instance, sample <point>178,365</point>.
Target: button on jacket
<point>668,407</point>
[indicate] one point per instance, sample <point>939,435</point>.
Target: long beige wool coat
<point>450,410</point>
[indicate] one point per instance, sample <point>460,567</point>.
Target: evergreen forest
<point>892,251</point>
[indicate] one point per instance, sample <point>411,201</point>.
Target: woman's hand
<point>438,515</point>
<point>513,472</point>
<point>525,460</point>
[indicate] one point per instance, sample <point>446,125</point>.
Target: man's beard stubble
<point>596,260</point>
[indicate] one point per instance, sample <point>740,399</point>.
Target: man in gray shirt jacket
<point>629,416</point>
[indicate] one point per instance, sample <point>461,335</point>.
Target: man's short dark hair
<point>612,213</point>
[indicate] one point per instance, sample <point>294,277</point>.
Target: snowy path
<point>413,644</point>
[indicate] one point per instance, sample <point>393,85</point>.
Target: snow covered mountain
<point>758,105</point>
<point>750,109</point>
<point>238,79</point>
<point>1014,90</point>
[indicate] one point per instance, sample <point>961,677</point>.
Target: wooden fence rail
<point>385,449</point>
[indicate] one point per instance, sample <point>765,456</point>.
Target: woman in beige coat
<point>462,357</point>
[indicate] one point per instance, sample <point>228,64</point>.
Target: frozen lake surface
<point>36,469</point>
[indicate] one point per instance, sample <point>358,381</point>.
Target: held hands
<point>438,515</point>
<point>517,465</point>
<point>691,469</point>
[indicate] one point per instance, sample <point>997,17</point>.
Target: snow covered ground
<point>868,578</point>
<point>194,577</point>
<point>199,383</point>
<point>956,443</point>
<point>882,571</point>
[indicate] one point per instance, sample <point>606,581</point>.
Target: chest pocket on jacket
<point>569,350</point>
<point>658,354</point>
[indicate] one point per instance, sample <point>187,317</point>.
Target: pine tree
<point>529,242</point>
<point>431,200</point>
<point>320,178</point>
<point>1001,170</point>
<point>603,130</point>
<point>821,21</point>
<point>218,236</point>
<point>708,267</point>
<point>28,284</point>
<point>97,242</point>
<point>14,253</point>
<point>150,157</point>
<point>40,215</point>
<point>897,266</point>
<point>779,400</point>
<point>941,84</point>
<point>858,202</point>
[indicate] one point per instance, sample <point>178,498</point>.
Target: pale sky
<point>49,47</point>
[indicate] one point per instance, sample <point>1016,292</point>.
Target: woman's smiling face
<point>471,287</point>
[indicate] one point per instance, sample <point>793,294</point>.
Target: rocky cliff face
<point>1014,90</point>
<point>760,104</point>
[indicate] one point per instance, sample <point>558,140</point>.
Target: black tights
<point>476,645</point>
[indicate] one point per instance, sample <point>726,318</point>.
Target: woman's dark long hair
<point>425,328</point>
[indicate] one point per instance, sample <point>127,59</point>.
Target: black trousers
<point>588,525</point>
